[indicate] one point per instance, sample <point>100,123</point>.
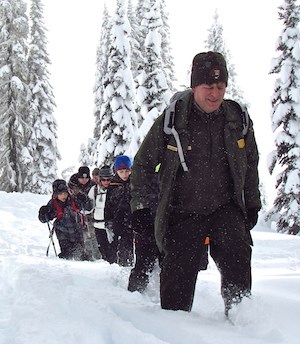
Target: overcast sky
<point>250,32</point>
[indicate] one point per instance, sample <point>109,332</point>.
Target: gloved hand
<point>252,217</point>
<point>143,222</point>
<point>44,214</point>
<point>81,197</point>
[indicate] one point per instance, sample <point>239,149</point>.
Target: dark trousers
<point>184,245</point>
<point>71,250</point>
<point>146,253</point>
<point>122,246</point>
<point>103,244</point>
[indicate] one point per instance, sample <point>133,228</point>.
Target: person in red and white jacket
<point>69,222</point>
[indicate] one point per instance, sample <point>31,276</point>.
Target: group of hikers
<point>93,220</point>
<point>205,194</point>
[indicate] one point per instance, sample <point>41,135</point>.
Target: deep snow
<point>48,300</point>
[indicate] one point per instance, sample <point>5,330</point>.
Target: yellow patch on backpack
<point>241,143</point>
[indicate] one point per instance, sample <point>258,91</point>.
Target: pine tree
<point>84,157</point>
<point>153,93</point>
<point>102,55</point>
<point>166,52</point>
<point>14,94</point>
<point>215,42</point>
<point>42,145</point>
<point>118,128</point>
<point>137,39</point>
<point>286,121</point>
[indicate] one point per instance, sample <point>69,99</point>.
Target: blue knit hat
<point>122,162</point>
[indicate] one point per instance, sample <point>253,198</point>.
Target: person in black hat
<point>81,182</point>
<point>98,193</point>
<point>68,225</point>
<point>208,186</point>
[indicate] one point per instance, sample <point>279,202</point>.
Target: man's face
<point>209,97</point>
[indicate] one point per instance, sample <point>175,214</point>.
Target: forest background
<point>250,33</point>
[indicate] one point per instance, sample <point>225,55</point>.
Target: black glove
<point>252,217</point>
<point>143,222</point>
<point>81,197</point>
<point>44,214</point>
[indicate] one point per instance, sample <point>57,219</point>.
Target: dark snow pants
<point>71,250</point>
<point>122,246</point>
<point>103,244</point>
<point>146,253</point>
<point>230,248</point>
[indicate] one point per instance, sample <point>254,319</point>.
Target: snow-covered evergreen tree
<point>166,51</point>
<point>137,40</point>
<point>102,55</point>
<point>118,130</point>
<point>136,44</point>
<point>153,93</point>
<point>14,94</point>
<point>42,144</point>
<point>84,157</point>
<point>215,42</point>
<point>286,121</point>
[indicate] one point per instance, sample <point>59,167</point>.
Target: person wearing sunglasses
<point>97,193</point>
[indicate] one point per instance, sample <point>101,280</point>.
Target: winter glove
<point>143,222</point>
<point>44,214</point>
<point>252,217</point>
<point>81,197</point>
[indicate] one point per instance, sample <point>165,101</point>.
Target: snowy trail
<point>49,301</point>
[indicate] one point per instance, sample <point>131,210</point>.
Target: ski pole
<point>51,240</point>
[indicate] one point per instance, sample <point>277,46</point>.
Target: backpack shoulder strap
<point>95,192</point>
<point>58,209</point>
<point>169,124</point>
<point>243,113</point>
<point>169,120</point>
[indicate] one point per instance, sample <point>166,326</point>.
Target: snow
<point>48,300</point>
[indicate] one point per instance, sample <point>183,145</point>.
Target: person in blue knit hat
<point>118,213</point>
<point>122,162</point>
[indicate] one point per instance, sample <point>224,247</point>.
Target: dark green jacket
<point>158,147</point>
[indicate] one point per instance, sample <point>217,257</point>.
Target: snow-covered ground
<point>51,301</point>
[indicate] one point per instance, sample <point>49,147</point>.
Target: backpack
<point>169,121</point>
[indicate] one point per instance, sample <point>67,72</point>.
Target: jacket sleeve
<point>91,195</point>
<point>83,201</point>
<point>109,206</point>
<point>251,189</point>
<point>47,212</point>
<point>149,155</point>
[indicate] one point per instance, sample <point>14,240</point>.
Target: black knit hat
<point>105,172</point>
<point>208,68</point>
<point>83,172</point>
<point>59,186</point>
